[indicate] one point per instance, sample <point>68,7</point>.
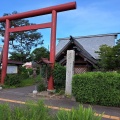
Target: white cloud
<point>90,19</point>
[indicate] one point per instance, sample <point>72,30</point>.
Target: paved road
<point>20,95</point>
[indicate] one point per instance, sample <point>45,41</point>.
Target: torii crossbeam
<point>49,10</point>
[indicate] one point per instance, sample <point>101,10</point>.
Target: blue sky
<point>91,16</point>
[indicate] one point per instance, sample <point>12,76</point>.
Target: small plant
<point>68,96</point>
<point>61,92</point>
<point>78,114</point>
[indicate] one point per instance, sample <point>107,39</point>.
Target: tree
<point>109,57</point>
<point>19,57</point>
<point>118,42</point>
<point>39,53</point>
<point>21,42</point>
<point>116,50</point>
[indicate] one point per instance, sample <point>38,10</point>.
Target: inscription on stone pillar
<point>69,71</point>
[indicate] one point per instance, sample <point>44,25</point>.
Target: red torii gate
<point>33,13</point>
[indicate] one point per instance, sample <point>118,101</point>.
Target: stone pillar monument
<point>69,71</point>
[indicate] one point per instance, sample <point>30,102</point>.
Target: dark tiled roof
<point>90,43</point>
<point>82,51</point>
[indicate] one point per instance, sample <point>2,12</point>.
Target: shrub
<point>37,79</point>
<point>41,86</point>
<point>38,70</point>
<point>43,71</point>
<point>78,114</point>
<point>15,79</point>
<point>23,72</point>
<point>30,71</point>
<point>59,75</point>
<point>97,88</point>
<point>12,80</point>
<point>29,81</point>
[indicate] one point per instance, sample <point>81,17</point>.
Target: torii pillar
<point>33,13</point>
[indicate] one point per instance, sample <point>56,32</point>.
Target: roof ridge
<point>90,36</point>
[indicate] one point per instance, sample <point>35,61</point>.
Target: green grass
<point>30,81</point>
<point>30,111</point>
<point>78,114</point>
<point>37,111</point>
<point>25,82</point>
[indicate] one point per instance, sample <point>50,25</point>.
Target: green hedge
<point>97,88</point>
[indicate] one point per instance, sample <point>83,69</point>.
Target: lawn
<point>30,81</point>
